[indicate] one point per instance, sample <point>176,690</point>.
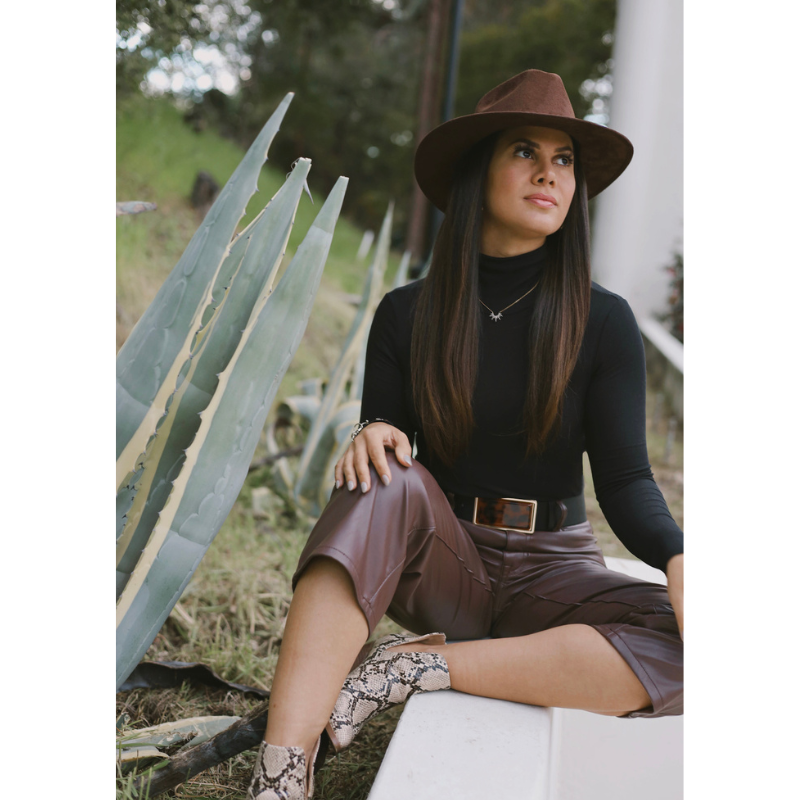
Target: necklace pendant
<point>495,317</point>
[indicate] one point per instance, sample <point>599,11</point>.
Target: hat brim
<point>604,153</point>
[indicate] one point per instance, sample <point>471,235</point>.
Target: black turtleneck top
<point>603,412</point>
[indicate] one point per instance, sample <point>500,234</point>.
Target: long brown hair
<point>446,334</point>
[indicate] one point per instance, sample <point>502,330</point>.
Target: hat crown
<point>530,92</point>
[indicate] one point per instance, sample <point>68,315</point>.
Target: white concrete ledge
<point>454,745</point>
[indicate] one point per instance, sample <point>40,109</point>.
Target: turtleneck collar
<point>500,278</point>
<point>503,264</point>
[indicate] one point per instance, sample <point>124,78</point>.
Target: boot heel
<point>368,690</point>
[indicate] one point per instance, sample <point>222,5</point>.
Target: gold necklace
<point>499,314</point>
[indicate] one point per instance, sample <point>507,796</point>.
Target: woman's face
<point>529,188</point>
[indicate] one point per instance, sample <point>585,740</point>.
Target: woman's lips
<point>542,200</point>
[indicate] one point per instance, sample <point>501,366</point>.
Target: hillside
<point>158,158</point>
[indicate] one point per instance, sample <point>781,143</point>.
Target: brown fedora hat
<point>531,98</point>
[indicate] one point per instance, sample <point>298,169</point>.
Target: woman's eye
<point>523,150</point>
<point>567,160</point>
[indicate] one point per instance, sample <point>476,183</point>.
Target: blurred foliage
<point>170,20</point>
<point>674,316</point>
<point>355,67</point>
<point>572,38</point>
<point>167,22</point>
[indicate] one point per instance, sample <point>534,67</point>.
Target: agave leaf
<point>152,356</point>
<point>172,674</point>
<point>309,479</point>
<point>333,443</point>
<point>311,387</point>
<point>357,384</point>
<point>139,757</point>
<point>282,472</point>
<point>125,497</point>
<point>132,483</point>
<point>299,407</point>
<point>401,276</point>
<point>135,482</point>
<point>290,411</point>
<point>195,730</point>
<point>217,461</point>
<point>259,254</point>
<point>357,381</point>
<point>336,441</point>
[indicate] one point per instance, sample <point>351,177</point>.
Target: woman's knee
<point>404,481</point>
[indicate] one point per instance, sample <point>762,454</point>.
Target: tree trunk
<point>429,113</point>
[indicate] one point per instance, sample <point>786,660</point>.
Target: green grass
<point>158,157</point>
<point>232,614</point>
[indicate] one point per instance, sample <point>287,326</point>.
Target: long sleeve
<point>617,447</point>
<point>384,383</point>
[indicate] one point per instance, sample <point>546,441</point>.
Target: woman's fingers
<point>338,472</point>
<point>377,454</point>
<point>402,447</point>
<point>348,469</point>
<point>370,446</point>
<point>361,461</point>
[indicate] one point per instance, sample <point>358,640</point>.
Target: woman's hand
<point>370,445</point>
<point>675,588</point>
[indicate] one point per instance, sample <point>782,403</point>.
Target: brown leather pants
<point>411,558</point>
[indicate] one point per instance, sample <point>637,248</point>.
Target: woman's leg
<point>325,629</point>
<point>573,634</point>
<point>572,666</point>
<point>398,543</point>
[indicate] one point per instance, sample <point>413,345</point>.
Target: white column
<point>638,220</point>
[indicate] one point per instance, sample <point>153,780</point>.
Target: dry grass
<point>231,617</point>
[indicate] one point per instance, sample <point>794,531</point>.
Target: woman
<point>507,363</point>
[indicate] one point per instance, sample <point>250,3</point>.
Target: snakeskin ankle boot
<point>381,680</point>
<point>281,773</point>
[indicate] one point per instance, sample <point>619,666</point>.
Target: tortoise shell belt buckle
<point>506,513</point>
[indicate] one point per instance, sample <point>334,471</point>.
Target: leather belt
<point>513,514</point>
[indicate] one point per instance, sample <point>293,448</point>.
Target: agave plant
<point>357,384</point>
<point>332,413</point>
<point>193,731</point>
<point>195,381</point>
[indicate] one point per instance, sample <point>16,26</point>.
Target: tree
<point>572,38</point>
<point>355,67</point>
<point>148,29</point>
